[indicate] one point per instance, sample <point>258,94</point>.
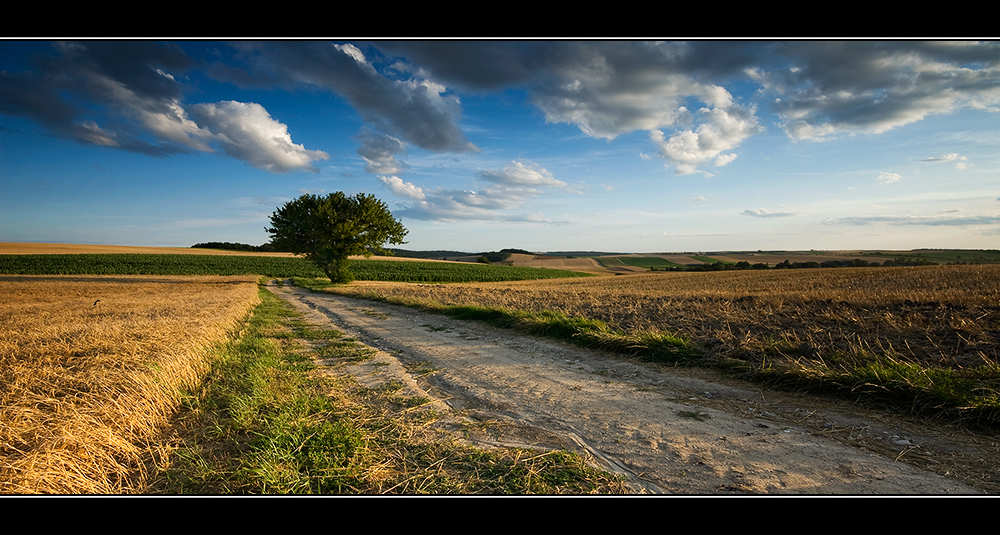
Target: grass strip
<point>265,423</point>
<point>970,395</point>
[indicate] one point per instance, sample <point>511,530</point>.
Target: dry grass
<point>942,315</point>
<point>86,387</point>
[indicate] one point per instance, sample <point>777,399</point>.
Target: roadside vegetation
<point>922,340</point>
<point>206,385</point>
<point>264,422</point>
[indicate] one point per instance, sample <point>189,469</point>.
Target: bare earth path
<point>669,431</point>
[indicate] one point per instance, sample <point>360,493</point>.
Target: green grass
<point>264,423</point>
<point>267,266</point>
<point>156,264</point>
<point>970,395</point>
<point>710,260</point>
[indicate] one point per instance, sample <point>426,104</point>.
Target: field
<point>923,340</point>
<point>95,348</point>
<point>267,266</point>
<point>645,262</point>
<point>92,367</point>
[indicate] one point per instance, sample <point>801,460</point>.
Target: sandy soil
<point>669,431</point>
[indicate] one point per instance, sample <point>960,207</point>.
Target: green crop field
<point>267,266</point>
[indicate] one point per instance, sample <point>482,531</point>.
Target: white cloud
<point>936,220</point>
<point>402,189</point>
<point>888,178</point>
<point>764,212</point>
<point>519,174</point>
<point>723,129</point>
<point>247,132</point>
<point>950,157</point>
<point>509,189</point>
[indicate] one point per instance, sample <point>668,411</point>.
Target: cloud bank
<point>131,97</point>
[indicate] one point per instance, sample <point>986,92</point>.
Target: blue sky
<point>629,146</point>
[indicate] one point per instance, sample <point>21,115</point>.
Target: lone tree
<point>329,229</point>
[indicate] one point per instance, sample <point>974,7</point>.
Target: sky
<point>478,145</point>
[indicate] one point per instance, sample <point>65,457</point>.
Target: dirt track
<point>668,431</point>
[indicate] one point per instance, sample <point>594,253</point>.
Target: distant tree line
<point>403,253</point>
<point>266,248</point>
<point>726,266</point>
<point>502,254</point>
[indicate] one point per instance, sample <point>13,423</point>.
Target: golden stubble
<point>945,315</point>
<point>92,367</point>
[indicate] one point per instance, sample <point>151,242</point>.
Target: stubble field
<point>92,367</point>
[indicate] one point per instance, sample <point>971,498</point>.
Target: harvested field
<point>93,366</point>
<point>584,265</point>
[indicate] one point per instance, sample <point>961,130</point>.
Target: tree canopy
<point>329,229</point>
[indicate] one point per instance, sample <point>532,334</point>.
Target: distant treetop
<point>266,248</point>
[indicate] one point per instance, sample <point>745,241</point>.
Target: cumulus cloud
<point>764,212</point>
<point>888,178</point>
<point>723,129</point>
<point>246,131</point>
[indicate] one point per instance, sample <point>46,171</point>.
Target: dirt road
<point>669,431</point>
